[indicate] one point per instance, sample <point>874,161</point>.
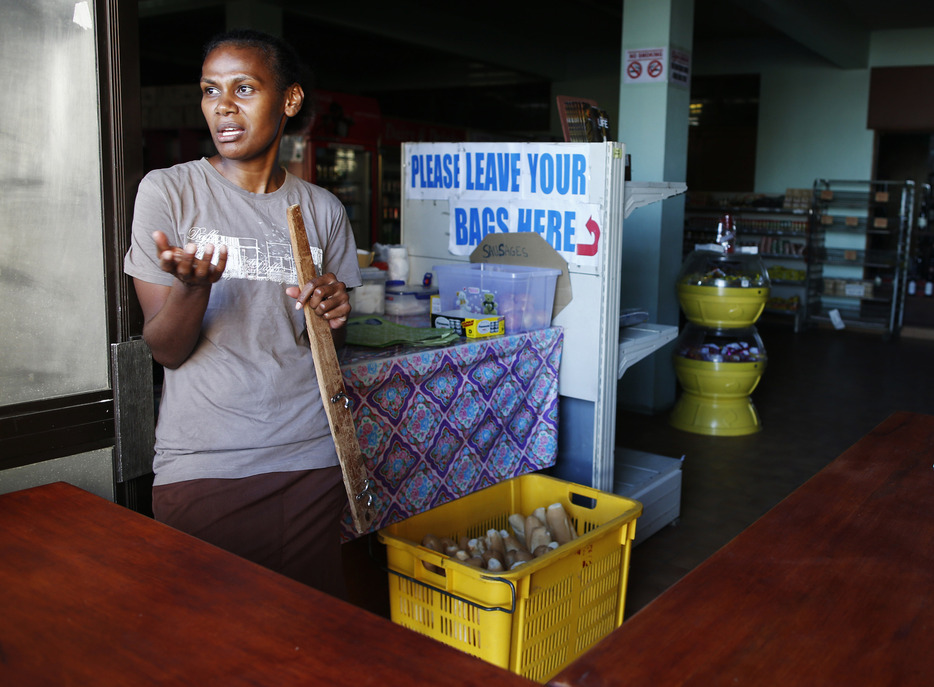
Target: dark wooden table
<point>94,594</point>
<point>833,586</point>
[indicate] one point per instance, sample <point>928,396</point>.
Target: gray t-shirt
<point>246,401</point>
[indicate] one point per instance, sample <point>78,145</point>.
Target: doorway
<point>910,155</point>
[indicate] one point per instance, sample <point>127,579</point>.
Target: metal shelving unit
<point>860,233</point>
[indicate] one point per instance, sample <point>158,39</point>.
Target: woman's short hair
<point>281,58</point>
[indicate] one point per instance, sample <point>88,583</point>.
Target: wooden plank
<point>333,395</point>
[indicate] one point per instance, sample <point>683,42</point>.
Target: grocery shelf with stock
<point>919,300</point>
<point>859,272</point>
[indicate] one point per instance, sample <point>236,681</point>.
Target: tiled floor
<point>821,392</point>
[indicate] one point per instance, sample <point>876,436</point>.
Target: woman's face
<point>243,108</point>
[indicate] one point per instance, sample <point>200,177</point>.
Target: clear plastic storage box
<point>523,295</point>
<point>370,296</point>
<point>408,299</point>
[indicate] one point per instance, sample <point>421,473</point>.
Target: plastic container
<point>408,299</point>
<point>703,344</point>
<point>370,297</point>
<point>532,620</point>
<point>717,289</point>
<point>523,295</point>
<point>718,417</point>
<point>720,380</point>
<point>718,369</point>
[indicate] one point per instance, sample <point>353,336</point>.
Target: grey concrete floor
<point>821,392</point>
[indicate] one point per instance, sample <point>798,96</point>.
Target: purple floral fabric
<point>438,424</point>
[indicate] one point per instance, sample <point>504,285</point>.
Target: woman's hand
<point>173,314</point>
<point>327,296</point>
<point>186,266</point>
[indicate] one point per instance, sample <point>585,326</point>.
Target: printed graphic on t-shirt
<point>268,259</point>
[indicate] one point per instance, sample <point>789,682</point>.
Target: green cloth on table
<point>377,332</point>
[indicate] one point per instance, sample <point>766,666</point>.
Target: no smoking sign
<point>650,65</point>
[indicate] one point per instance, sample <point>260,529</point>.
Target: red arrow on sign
<point>590,249</point>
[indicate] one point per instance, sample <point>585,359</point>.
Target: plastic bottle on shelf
<point>726,235</point>
<point>398,263</point>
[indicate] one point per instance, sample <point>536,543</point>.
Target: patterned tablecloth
<point>438,424</point>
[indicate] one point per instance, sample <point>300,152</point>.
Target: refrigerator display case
<point>339,153</point>
<point>395,132</point>
<point>348,172</point>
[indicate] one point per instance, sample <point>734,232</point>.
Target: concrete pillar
<point>653,123</point>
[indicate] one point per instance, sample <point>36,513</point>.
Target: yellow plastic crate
<point>533,620</point>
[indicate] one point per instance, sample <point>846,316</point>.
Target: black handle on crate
<point>512,590</point>
<point>490,578</point>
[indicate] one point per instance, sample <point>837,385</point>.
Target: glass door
<point>62,300</point>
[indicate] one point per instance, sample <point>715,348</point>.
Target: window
<point>53,337</point>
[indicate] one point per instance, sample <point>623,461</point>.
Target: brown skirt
<point>286,521</point>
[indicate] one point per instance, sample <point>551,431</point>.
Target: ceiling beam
<point>830,35</point>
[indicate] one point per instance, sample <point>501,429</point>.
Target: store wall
<point>812,123</point>
<point>901,47</point>
<point>812,117</point>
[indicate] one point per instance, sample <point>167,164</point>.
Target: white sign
<point>680,68</point>
<point>658,65</point>
<point>510,188</point>
<point>646,65</point>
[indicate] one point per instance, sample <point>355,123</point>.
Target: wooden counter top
<point>94,594</point>
<point>833,586</point>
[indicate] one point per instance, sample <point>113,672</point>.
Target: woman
<point>244,456</point>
